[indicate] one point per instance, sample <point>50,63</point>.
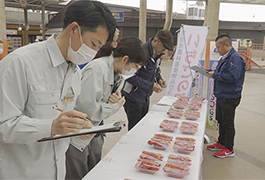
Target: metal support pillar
<point>212,18</point>
<point>142,21</point>
<point>26,27</point>
<point>3,29</point>
<point>168,21</point>
<point>43,20</point>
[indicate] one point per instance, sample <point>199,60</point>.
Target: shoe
<point>224,153</point>
<point>217,146</point>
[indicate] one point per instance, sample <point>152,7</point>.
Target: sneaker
<point>217,146</point>
<point>224,153</point>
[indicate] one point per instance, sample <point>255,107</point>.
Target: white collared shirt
<point>224,56</point>
<point>33,79</point>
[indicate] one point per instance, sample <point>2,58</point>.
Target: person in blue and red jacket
<point>138,88</point>
<point>228,83</point>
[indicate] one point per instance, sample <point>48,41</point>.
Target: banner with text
<point>188,53</point>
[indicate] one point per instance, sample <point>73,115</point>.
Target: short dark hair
<point>90,15</point>
<point>130,46</point>
<point>224,38</point>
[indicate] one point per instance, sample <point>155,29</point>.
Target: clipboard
<point>116,127</point>
<point>200,70</point>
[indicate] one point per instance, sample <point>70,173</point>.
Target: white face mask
<point>1,50</point>
<point>128,73</point>
<point>83,55</point>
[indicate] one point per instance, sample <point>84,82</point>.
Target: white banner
<point>188,53</point>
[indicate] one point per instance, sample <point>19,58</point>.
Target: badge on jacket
<point>69,98</point>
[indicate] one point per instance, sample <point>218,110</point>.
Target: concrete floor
<point>249,162</point>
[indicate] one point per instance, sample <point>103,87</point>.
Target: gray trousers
<point>78,163</point>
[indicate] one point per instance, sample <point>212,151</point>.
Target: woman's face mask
<point>1,50</point>
<point>83,55</point>
<point>130,72</point>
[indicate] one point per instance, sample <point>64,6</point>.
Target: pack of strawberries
<point>176,166</point>
<point>184,145</point>
<point>187,106</point>
<point>175,113</point>
<point>191,115</point>
<point>189,127</point>
<point>195,103</point>
<point>168,125</point>
<point>149,162</point>
<point>160,141</point>
<point>181,102</point>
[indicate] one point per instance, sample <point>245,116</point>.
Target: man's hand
<point>114,97</point>
<point>121,102</point>
<point>211,74</point>
<point>88,125</point>
<point>70,122</point>
<point>162,83</point>
<point>157,88</point>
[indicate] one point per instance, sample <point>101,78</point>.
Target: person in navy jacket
<point>138,88</point>
<point>228,83</point>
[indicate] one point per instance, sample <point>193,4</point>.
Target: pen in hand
<point>87,126</point>
<point>58,109</point>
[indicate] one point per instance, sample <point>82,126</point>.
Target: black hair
<point>90,15</point>
<point>224,38</point>
<point>130,46</point>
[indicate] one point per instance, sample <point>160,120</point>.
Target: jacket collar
<point>230,52</point>
<point>55,54</point>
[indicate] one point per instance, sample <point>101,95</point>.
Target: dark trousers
<point>135,111</point>
<point>225,115</point>
<point>78,163</point>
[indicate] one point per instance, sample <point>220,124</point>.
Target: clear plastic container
<point>176,173</point>
<point>169,166</point>
<point>188,128</point>
<point>184,148</point>
<point>180,104</point>
<point>151,156</point>
<point>147,166</point>
<point>175,113</point>
<point>169,126</point>
<point>178,157</point>
<point>160,141</point>
<point>184,145</point>
<point>197,100</point>
<point>192,115</point>
<point>194,106</point>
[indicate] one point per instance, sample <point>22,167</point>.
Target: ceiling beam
<point>257,2</point>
